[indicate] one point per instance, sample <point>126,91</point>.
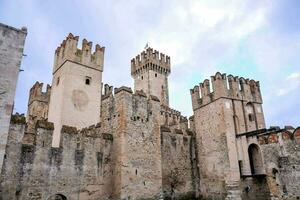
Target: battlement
<point>68,51</point>
<point>108,91</point>
<point>151,60</point>
<point>37,94</point>
<point>123,98</point>
<point>286,134</point>
<point>170,111</point>
<point>172,117</point>
<point>232,87</point>
<point>18,118</point>
<point>93,131</point>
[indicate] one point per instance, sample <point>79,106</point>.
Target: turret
<point>150,59</point>
<point>76,85</point>
<point>38,105</point>
<point>150,71</point>
<point>36,93</point>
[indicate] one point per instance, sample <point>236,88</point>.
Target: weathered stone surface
<point>11,51</point>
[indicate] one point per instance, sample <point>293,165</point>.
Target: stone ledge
<point>68,129</point>
<point>45,125</point>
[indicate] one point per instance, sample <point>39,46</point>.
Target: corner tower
<point>231,108</point>
<point>150,71</point>
<point>76,85</point>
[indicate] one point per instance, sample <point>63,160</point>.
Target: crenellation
<point>234,86</point>
<point>68,51</point>
<point>219,85</point>
<point>195,94</point>
<point>150,60</point>
<point>38,105</point>
<point>231,87</point>
<point>18,118</point>
<point>36,93</point>
<point>173,118</point>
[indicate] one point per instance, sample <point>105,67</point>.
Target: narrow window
<point>155,74</point>
<point>251,117</point>
<point>57,81</point>
<point>87,80</point>
<point>240,167</point>
<point>142,77</point>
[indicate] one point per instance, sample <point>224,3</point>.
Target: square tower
<point>150,71</point>
<point>76,85</point>
<point>232,107</point>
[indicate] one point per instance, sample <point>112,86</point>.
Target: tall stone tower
<point>232,107</point>
<point>38,105</point>
<point>76,85</point>
<point>12,42</point>
<point>150,72</point>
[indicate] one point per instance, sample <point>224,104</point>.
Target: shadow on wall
<point>57,197</point>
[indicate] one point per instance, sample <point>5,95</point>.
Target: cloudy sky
<point>253,39</point>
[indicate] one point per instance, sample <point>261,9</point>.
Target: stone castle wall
<point>178,175</point>
<point>82,167</point>
<point>281,153</point>
<point>139,148</point>
<point>134,120</point>
<point>11,51</point>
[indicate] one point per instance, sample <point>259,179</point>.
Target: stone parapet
<point>36,93</point>
<point>68,51</point>
<point>222,86</point>
<point>150,59</point>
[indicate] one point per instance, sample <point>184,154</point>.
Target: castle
<point>82,140</point>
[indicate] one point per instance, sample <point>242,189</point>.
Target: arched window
<point>255,158</point>
<point>58,197</point>
<point>88,80</point>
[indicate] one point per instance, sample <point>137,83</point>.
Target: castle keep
<point>82,139</point>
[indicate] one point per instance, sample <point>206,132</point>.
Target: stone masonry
<point>11,51</point>
<point>81,142</point>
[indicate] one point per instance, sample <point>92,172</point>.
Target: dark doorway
<point>255,159</point>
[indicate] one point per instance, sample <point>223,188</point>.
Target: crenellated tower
<point>76,85</point>
<point>224,108</point>
<point>150,71</point>
<point>38,105</point>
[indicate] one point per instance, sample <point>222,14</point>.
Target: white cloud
<point>198,35</point>
<point>291,84</point>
